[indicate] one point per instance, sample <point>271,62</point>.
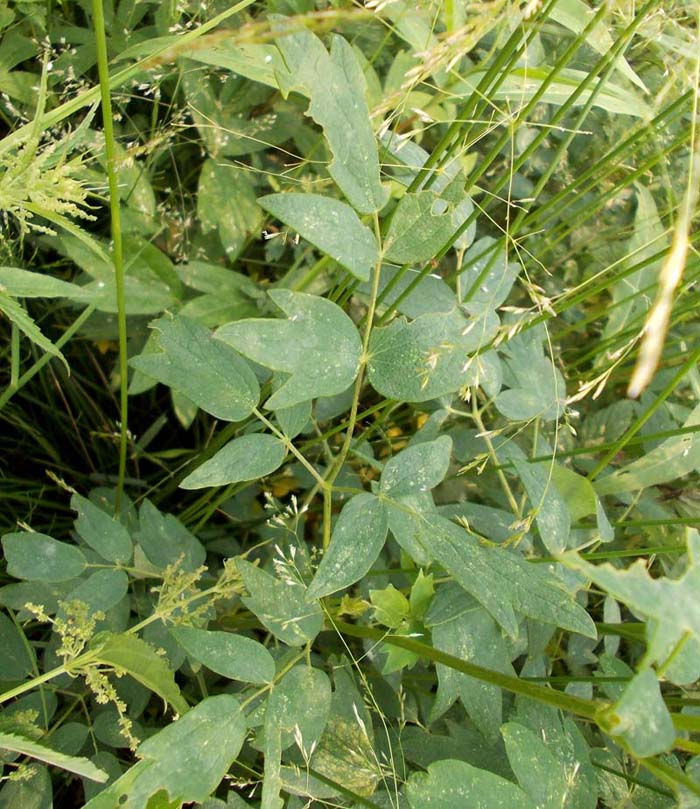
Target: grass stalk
<point>116,231</point>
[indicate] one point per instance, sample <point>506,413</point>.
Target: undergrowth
<point>350,404</point>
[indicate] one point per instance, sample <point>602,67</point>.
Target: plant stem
<point>290,446</point>
<point>117,253</point>
<point>359,381</point>
<point>587,709</point>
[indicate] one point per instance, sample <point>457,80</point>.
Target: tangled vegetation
<point>350,404</point>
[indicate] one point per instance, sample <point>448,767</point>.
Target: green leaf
<point>551,512</point>
<point>630,297</point>
<point>232,656</point>
<point>455,784</point>
<point>27,747</point>
<point>298,707</point>
<point>34,793</point>
<point>297,711</point>
<point>102,590</point>
<point>422,592</point>
<point>345,752</point>
<point>18,657</point>
<point>521,84</point>
<point>674,458</point>
<point>226,202</point>
<point>640,717</point>
<point>25,284</point>
<point>318,345</point>
<point>165,540</point>
<point>391,607</point>
<point>209,373</point>
<point>537,387</point>
<point>187,759</point>
<point>101,531</point>
<point>422,224</point>
<point>671,606</point>
<point>461,627</point>
<point>576,15</point>
<point>330,225</point>
<point>281,606</point>
<point>486,275</point>
<point>139,659</point>
<point>19,317</point>
<point>336,87</point>
<point>246,458</point>
<point>502,581</point>
<point>417,468</point>
<point>428,295</point>
<point>38,557</point>
<point>546,778</point>
<point>429,357</point>
<point>357,539</point>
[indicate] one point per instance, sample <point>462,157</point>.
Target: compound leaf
<point>318,345</point>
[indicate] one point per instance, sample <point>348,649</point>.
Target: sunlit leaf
<point>430,357</point>
<point>27,747</point>
<point>671,606</point>
<point>417,468</point>
<point>640,717</point>
<point>137,658</point>
<point>674,458</point>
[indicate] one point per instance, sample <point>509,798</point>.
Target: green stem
<point>14,358</point>
<point>290,446</point>
<point>117,254</point>
<point>585,708</point>
<point>359,381</point>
